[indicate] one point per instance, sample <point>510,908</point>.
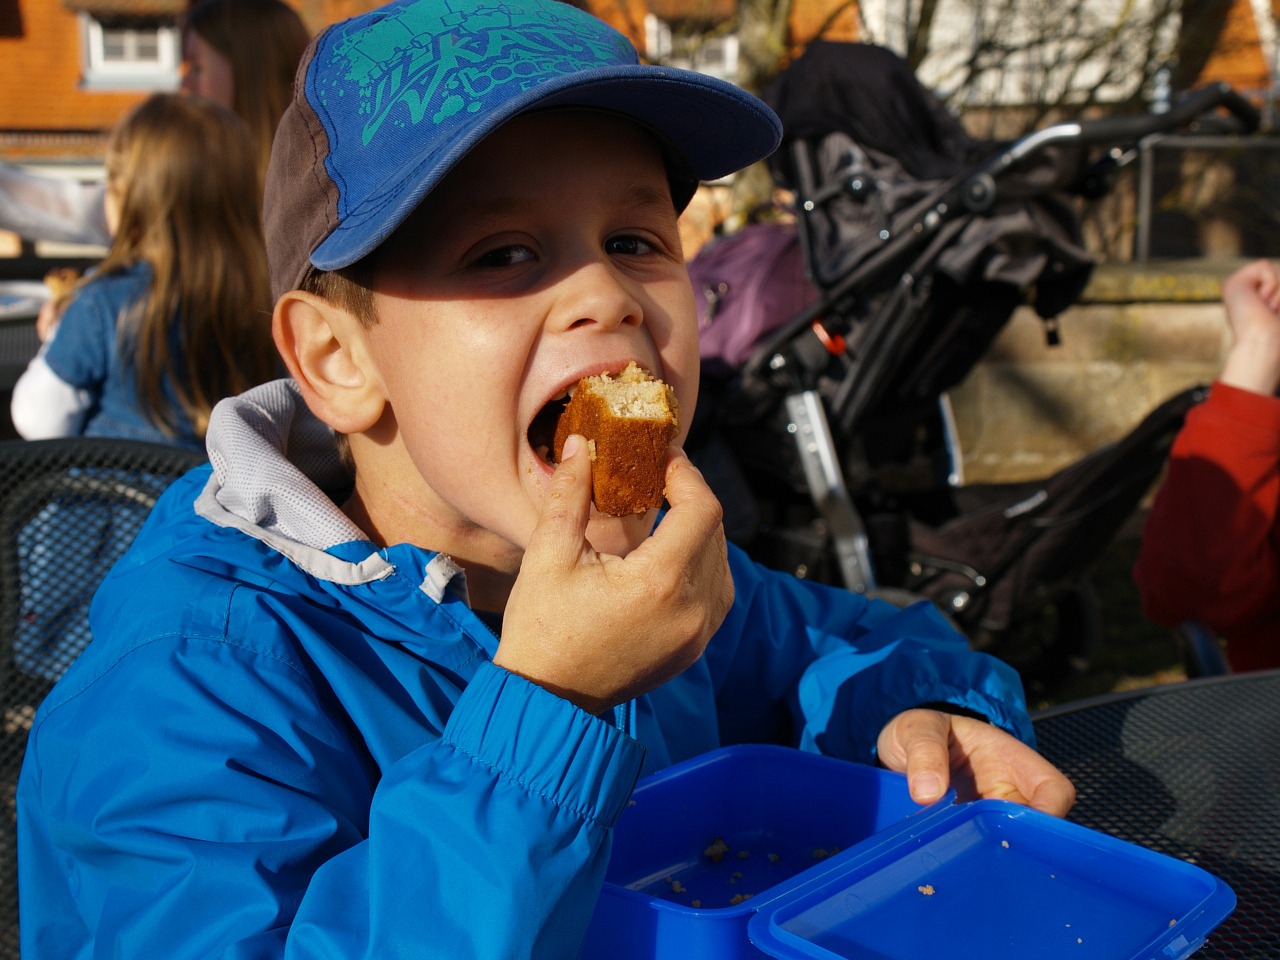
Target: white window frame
<point>99,73</point>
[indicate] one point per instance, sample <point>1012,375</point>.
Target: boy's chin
<point>618,536</point>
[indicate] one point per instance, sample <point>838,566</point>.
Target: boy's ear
<point>324,348</point>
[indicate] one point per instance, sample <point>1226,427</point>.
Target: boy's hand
<point>598,629</point>
<point>977,758</point>
<point>1251,297</point>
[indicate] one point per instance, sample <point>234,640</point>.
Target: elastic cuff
<point>546,744</point>
<point>955,710</point>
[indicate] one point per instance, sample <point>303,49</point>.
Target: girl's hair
<point>263,40</point>
<point>181,171</point>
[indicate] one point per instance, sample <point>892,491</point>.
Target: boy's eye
<point>505,256</point>
<point>628,246</point>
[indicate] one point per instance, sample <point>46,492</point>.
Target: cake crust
<point>628,419</point>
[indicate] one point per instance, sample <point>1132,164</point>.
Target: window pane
<point>130,40</point>
<point>115,44</point>
<point>148,47</point>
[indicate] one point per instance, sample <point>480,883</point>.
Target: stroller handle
<point>1190,107</point>
<point>1119,130</point>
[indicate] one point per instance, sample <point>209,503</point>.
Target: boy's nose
<point>594,295</point>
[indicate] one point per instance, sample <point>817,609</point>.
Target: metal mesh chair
<point>69,509</point>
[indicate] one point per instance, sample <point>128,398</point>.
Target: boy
<point>397,712</point>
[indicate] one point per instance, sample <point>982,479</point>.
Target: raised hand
<point>1251,297</point>
<point>599,629</point>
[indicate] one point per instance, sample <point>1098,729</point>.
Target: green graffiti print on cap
<point>391,100</point>
<point>427,61</point>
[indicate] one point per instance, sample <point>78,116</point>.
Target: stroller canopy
<point>869,93</point>
<point>857,108</point>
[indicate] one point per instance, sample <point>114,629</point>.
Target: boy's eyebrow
<point>643,195</point>
<point>637,195</point>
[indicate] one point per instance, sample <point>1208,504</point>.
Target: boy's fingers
<point>928,759</point>
<point>1054,795</point>
<point>566,506</point>
<point>916,742</point>
<point>695,511</point>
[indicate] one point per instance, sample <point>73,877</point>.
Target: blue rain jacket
<point>284,742</point>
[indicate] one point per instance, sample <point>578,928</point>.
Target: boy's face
<point>550,253</point>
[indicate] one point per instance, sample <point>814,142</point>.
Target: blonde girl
<point>242,53</point>
<point>177,316</point>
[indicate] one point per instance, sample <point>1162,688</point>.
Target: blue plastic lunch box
<point>752,852</point>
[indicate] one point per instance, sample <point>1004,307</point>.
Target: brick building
<point>69,68</point>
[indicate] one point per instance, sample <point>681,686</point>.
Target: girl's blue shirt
<point>92,350</point>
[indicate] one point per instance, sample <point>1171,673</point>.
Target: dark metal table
<point>1191,770</point>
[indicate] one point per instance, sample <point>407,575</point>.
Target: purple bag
<point>747,285</point>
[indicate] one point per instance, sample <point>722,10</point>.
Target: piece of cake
<point>629,419</point>
<point>61,282</point>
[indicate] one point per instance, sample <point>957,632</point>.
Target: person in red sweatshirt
<point>1211,545</point>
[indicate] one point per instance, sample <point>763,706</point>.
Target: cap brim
<point>714,126</point>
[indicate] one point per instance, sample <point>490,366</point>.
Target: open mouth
<point>542,432</point>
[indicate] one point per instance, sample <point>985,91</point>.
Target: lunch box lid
<point>991,880</point>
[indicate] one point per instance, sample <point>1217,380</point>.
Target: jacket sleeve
<point>1209,547</point>
<point>81,351</point>
<point>169,809</point>
<point>844,665</point>
<point>44,406</point>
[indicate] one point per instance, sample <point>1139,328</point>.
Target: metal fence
<point>1208,195</point>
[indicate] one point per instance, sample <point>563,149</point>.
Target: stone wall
<point>1141,333</point>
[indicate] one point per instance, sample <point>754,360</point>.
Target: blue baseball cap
<point>386,103</point>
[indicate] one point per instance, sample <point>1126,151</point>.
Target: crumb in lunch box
<point>1173,923</point>
<point>716,851</point>
<point>821,853</point>
<point>926,889</point>
<point>696,903</point>
<point>738,898</point>
<point>736,876</point>
<point>1005,844</point>
<point>1079,939</point>
<point>774,858</point>
<point>676,885</point>
<point>743,854</point>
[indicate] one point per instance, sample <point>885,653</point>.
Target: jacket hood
<point>277,476</point>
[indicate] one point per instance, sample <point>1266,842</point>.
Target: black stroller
<point>830,342</point>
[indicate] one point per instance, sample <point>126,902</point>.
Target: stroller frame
<point>790,378</point>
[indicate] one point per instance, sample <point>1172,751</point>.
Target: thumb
<point>561,531</point>
<point>916,743</point>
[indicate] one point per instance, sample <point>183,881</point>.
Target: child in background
<point>175,317</point>
<point>243,54</point>
<point>1211,544</point>
<point>392,704</point>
